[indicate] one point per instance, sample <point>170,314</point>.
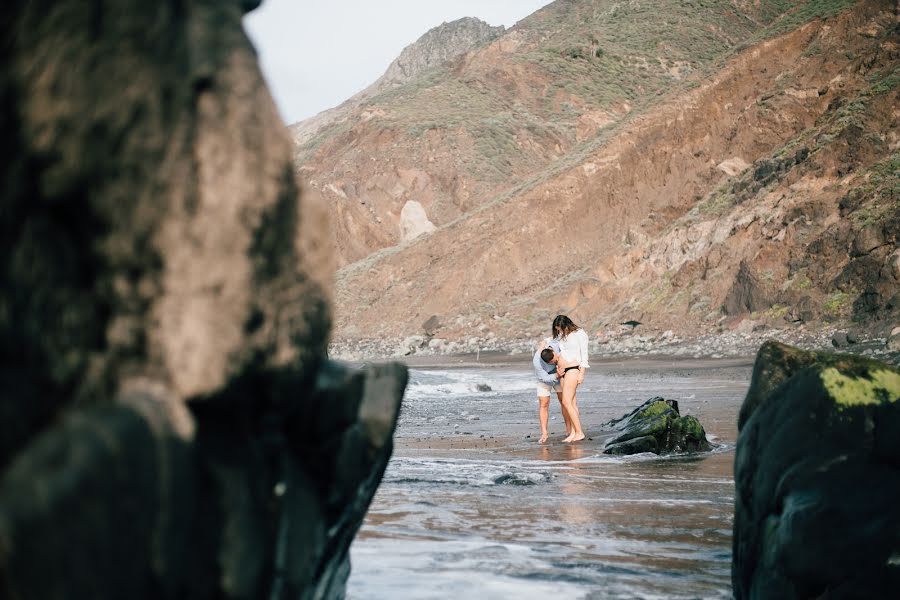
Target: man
<point>544,362</point>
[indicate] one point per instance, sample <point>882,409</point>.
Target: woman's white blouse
<point>574,348</point>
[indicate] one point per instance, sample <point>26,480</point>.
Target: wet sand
<point>472,504</point>
<point>614,364</point>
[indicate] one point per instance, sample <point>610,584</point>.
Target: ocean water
<point>472,506</point>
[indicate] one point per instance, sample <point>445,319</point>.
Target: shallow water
<point>472,506</point>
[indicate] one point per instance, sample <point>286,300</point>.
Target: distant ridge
<point>434,49</point>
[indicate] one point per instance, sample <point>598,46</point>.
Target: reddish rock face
<point>165,313</point>
<point>779,158</point>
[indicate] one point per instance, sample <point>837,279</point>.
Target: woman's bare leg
<point>569,387</point>
<point>565,414</point>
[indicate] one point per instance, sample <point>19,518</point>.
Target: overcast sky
<point>317,54</point>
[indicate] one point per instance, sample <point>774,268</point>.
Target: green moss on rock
<point>657,426</point>
<point>688,435</point>
<point>656,408</point>
<point>880,386</point>
<point>689,426</point>
<point>776,363</point>
<point>817,477</point>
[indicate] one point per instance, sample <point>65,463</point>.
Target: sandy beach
<point>472,504</point>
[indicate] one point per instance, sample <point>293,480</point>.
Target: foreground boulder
<point>171,426</point>
<point>817,471</point>
<point>656,426</point>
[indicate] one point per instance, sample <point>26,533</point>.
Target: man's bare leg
<point>543,416</point>
<point>565,414</point>
<point>569,386</point>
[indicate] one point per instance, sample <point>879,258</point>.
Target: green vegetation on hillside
<point>792,14</point>
<point>605,53</point>
<point>580,57</point>
<point>575,58</point>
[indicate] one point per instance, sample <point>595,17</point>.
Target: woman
<point>573,351</point>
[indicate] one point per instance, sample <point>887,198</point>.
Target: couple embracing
<point>559,366</point>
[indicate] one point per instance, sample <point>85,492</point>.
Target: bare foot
<point>574,438</point>
<point>543,439</point>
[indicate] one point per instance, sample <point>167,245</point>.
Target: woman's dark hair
<point>563,326</point>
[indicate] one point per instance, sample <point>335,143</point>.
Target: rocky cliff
<point>172,428</point>
<point>743,178</point>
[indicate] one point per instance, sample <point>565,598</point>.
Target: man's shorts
<point>544,389</point>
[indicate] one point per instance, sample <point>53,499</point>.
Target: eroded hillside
<point>766,192</point>
<point>462,131</point>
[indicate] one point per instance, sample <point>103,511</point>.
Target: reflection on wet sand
<point>569,508</point>
<point>562,452</point>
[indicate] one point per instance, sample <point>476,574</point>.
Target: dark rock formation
<point>656,426</point>
<point>817,470</point>
<point>431,325</point>
<point>171,425</point>
<point>747,293</point>
<point>775,362</point>
<point>867,239</point>
<point>893,302</point>
<point>766,170</point>
<point>840,339</point>
<point>828,248</point>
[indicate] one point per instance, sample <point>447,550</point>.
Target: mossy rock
<point>658,420</point>
<point>638,445</point>
<point>687,435</point>
<point>652,407</point>
<point>777,362</point>
<point>817,475</point>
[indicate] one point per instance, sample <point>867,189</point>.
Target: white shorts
<point>544,389</point>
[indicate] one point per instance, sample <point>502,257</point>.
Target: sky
<point>314,55</point>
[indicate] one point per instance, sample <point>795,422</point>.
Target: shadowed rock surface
<point>747,294</point>
<point>171,426</point>
<point>656,426</point>
<point>817,471</point>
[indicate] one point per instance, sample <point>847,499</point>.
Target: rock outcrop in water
<point>172,428</point>
<point>817,471</point>
<point>657,426</point>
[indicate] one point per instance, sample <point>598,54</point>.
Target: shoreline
<point>505,360</point>
<point>432,353</point>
